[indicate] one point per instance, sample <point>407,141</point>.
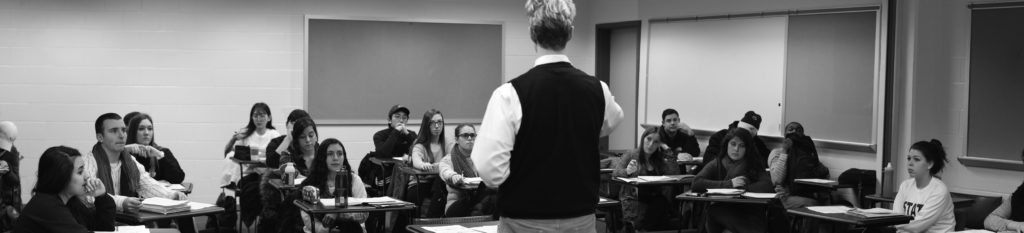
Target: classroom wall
<point>933,99</point>
<point>196,66</point>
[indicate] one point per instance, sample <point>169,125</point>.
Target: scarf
<point>1017,204</point>
<point>462,163</point>
<point>129,171</point>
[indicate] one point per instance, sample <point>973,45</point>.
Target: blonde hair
<point>551,22</point>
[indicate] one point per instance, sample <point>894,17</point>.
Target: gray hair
<point>551,22</point>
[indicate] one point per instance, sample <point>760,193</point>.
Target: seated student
<point>282,146</point>
<point>797,159</point>
<point>651,208</point>
<point>331,159</point>
<point>111,162</point>
<point>677,136</point>
<point>391,142</point>
<point>141,132</point>
<point>427,152</point>
<point>395,141</point>
<point>1009,216</point>
<point>751,122</point>
<point>56,205</point>
<point>924,196</point>
<point>455,168</point>
<point>740,167</point>
<point>301,151</point>
<point>257,133</point>
<point>10,178</point>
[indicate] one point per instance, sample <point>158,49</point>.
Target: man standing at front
<point>538,141</point>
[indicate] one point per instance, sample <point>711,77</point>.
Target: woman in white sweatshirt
<point>924,196</point>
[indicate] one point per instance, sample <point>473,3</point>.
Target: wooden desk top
<point>420,228</point>
<point>143,216</point>
<point>851,219</point>
<point>680,180</point>
<point>321,209</point>
<point>726,199</point>
<point>279,185</point>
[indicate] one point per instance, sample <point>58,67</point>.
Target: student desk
<point>826,185</point>
<point>958,201</point>
<point>143,217</point>
<point>282,188</point>
<point>421,229</point>
<point>386,161</point>
<point>707,200</point>
<point>319,208</point>
<point>837,219</point>
<point>613,208</point>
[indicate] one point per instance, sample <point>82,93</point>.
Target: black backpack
<point>228,218</point>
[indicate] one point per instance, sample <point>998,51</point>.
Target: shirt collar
<point>552,58</point>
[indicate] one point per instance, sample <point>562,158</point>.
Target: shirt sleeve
<point>149,187</point>
<point>999,220</point>
<point>901,196</point>
<point>493,148</point>
<point>705,179</point>
<point>612,112</point>
<point>620,167</point>
<point>418,153</point>
<point>446,171</point>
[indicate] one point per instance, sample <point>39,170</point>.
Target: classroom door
<point>618,57</point>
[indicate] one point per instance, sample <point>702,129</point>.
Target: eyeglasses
<point>467,135</point>
<point>437,123</point>
<point>399,117</point>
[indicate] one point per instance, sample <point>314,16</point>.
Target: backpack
<point>226,219</point>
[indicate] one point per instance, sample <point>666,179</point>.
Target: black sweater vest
<point>554,170</point>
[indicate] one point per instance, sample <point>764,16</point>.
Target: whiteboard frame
<point>361,122</point>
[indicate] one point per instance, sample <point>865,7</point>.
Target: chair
<point>973,217</point>
<point>456,220</point>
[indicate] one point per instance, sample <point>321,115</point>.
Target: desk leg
<point>216,222</point>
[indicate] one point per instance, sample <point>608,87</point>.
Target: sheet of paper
<point>835,209</point>
<point>655,178</point>
<point>630,179</point>
<point>759,195</point>
<point>199,206</point>
<point>820,181</point>
<point>129,229</point>
<point>725,191</point>
<point>876,211</point>
<point>450,229</point>
<point>176,187</point>
<point>299,180</point>
<point>486,229</point>
<point>164,202</point>
<point>473,180</point>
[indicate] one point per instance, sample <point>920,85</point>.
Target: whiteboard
<point>358,69</point>
<point>714,71</point>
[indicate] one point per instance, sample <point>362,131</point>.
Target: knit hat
<point>751,122</point>
<point>397,108</point>
<point>752,118</point>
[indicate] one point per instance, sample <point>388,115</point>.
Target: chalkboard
<point>357,69</point>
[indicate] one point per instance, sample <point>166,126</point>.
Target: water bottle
<point>289,173</point>
<point>340,200</point>
<point>888,181</point>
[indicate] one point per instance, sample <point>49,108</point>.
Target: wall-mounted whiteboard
<point>713,71</point>
<point>357,69</point>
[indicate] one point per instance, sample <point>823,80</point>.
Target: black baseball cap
<point>397,108</point>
